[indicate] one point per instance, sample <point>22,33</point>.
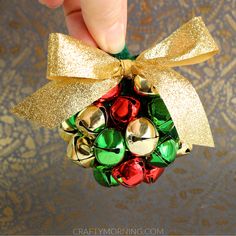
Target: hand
<point>99,23</point>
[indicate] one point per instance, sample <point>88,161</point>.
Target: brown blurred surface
<point>43,193</point>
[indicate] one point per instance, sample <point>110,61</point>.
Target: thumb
<point>106,21</point>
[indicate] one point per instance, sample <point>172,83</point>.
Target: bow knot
<point>126,67</point>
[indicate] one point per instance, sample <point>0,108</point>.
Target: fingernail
<point>42,2</point>
<point>115,38</point>
<point>52,5</point>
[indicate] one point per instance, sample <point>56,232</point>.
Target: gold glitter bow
<point>81,74</point>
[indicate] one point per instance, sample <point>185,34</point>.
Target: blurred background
<point>41,192</point>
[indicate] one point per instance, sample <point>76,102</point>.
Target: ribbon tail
<point>184,106</point>
<point>58,100</point>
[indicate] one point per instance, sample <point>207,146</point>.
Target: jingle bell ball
<point>143,87</point>
<point>164,154</point>
<point>79,150</point>
<point>91,120</point>
<point>124,109</point>
<point>130,173</point>
<point>102,175</point>
<point>109,147</point>
<point>184,149</point>
<point>71,122</point>
<point>152,173</point>
<point>141,136</point>
<point>113,93</point>
<point>66,131</point>
<point>160,115</point>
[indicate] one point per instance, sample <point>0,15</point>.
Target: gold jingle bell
<point>143,87</point>
<point>80,151</point>
<point>141,136</point>
<point>91,120</point>
<point>184,149</point>
<point>66,132</point>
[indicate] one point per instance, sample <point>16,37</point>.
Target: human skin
<point>99,23</point>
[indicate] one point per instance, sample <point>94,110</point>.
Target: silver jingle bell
<point>66,132</point>
<point>143,87</point>
<point>141,136</point>
<point>91,120</point>
<point>184,149</point>
<point>80,151</point>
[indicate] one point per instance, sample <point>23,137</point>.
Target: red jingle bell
<point>124,109</point>
<point>111,94</point>
<point>152,173</point>
<point>130,173</point>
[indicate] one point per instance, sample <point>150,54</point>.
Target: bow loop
<point>190,44</point>
<point>71,58</point>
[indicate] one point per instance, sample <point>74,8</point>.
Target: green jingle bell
<point>173,134</point>
<point>143,87</point>
<point>160,115</point>
<point>166,126</point>
<point>91,120</point>
<point>71,121</point>
<point>79,150</point>
<point>109,147</point>
<point>141,136</point>
<point>102,175</point>
<point>164,154</point>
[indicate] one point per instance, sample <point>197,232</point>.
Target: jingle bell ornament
<point>71,121</point>
<point>130,173</point>
<point>160,115</point>
<point>79,150</point>
<point>173,135</point>
<point>113,93</point>
<point>143,87</point>
<point>102,175</point>
<point>184,149</point>
<point>152,173</point>
<point>88,73</point>
<point>124,109</point>
<point>109,147</point>
<point>91,120</point>
<point>141,136</point>
<point>66,131</point>
<point>164,154</point>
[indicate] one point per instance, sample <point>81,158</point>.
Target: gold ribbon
<point>81,74</point>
